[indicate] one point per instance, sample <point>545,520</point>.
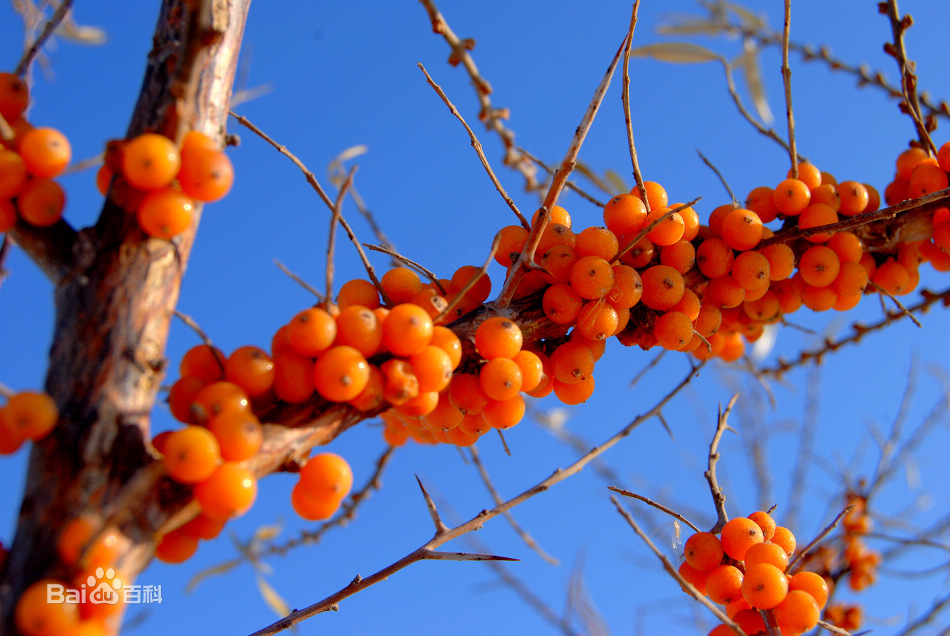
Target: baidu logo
<point>104,588</point>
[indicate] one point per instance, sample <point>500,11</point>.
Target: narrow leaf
<point>748,63</point>
<point>274,600</point>
<point>690,26</point>
<point>615,180</point>
<point>221,568</point>
<point>676,52</point>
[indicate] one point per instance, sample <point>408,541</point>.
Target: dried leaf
<point>80,34</point>
<point>266,533</point>
<point>690,26</point>
<point>214,570</point>
<point>748,63</point>
<point>274,600</point>
<point>586,171</point>
<point>749,19</point>
<point>352,152</point>
<point>676,52</point>
<point>614,179</point>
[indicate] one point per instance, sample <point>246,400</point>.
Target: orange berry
<point>358,327</point>
<point>819,266</point>
<point>808,174</point>
<point>673,330</point>
<point>401,284</point>
<point>826,195</point>
<point>625,214</point>
<point>760,202</point>
<point>714,258</point>
<point>555,234</point>
<point>892,277</point>
<point>445,339</point>
<point>532,369</point>
<point>874,198</point>
<point>819,298</point>
<point>216,398</point>
<point>598,320</point>
<point>908,160</point>
<point>561,303</point>
<point>503,414</point>
<point>797,613</point>
<point>372,395</point>
<point>851,280</point>
<point>150,161</point>
<point>703,551</point>
<point>511,240</point>
<point>41,202</point>
<point>35,615</point>
<point>766,552</point>
<point>656,194</point>
<point>311,332</point>
<point>45,151</point>
<point>12,173</point>
<point>467,395</point>
<point>228,492</point>
<point>791,197</point>
<point>764,585</point>
<point>724,292</point>
<point>10,439</point>
<point>7,216</point>
<point>696,577</point>
<point>847,246</point>
<point>627,288</point>
<point>662,287</point>
<point>681,256</point>
<point>690,222</point>
<point>751,270</point>
<point>596,241</point>
<point>557,215</point>
<point>498,337</point>
<point>500,379</point>
<point>709,320</point>
<point>312,507</point>
<point>738,535</point>
<point>401,384</point>
<point>784,537</point>
<point>689,304</point>
<point>817,215</point>
<point>191,454</point>
<point>84,540</point>
<point>750,620</point>
<point>327,475</point>
<point>14,96</point>
<point>407,330</point>
<point>239,434</point>
<point>742,229</point>
<point>165,213</point>
<point>204,527</point>
<point>31,415</point>
<point>206,174</point>
<point>637,255</point>
<point>340,373</point>
<point>433,369</point>
<point>572,394</point>
<point>896,191</point>
<point>765,521</point>
<point>572,362</point>
<point>480,291</point>
<point>358,292</point>
<point>251,369</point>
<point>176,547</point>
<point>292,377</point>
<point>592,277</point>
<point>724,583</point>
<point>854,198</point>
<point>781,260</point>
<point>204,362</point>
<point>669,230</point>
<point>444,416</point>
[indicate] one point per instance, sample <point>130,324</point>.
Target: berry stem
<point>787,80</point>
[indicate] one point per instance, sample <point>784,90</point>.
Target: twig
<point>483,270</point>
<point>897,302</point>
<point>649,228</point>
<point>190,322</point>
<point>525,260</point>
<point>928,616</point>
<point>422,269</point>
<point>821,535</point>
<point>658,506</point>
<point>51,25</point>
<point>5,247</point>
<point>521,532</point>
<point>722,179</point>
<point>640,374</point>
<point>337,207</point>
<point>297,279</point>
<point>787,80</point>
<point>686,585</point>
<point>312,180</point>
<point>626,108</point>
<point>719,499</point>
<point>478,149</point>
<point>570,184</point>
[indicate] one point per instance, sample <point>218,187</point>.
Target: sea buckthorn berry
<point>662,287</point>
<point>627,288</point>
<point>216,398</point>
<point>83,539</point>
<point>444,416</point>
<point>656,194</point>
<point>693,576</point>
<point>466,393</point>
<point>445,339</point>
<point>293,375</point>
<point>45,151</point>
<point>461,437</point>
<point>14,96</point>
<point>532,369</point>
<point>597,347</point>
<point>639,254</point>
<point>311,332</point>
<point>480,291</point>
<point>673,330</point>
<point>717,216</point>
<point>760,202</point>
<point>738,535</point>
<point>176,546</point>
<point>791,197</point>
<point>358,292</point>
<point>557,215</point>
<point>892,277</point>
<point>10,439</point>
<point>239,434</point>
<point>724,583</point>
<point>251,369</point>
<point>808,174</point>
<point>165,213</point>
<point>327,475</point>
<point>764,585</point>
<point>670,228</point>
<point>191,454</point>
<point>311,507</point>
<point>817,215</point>
<point>504,414</point>
<point>206,174</point>
<point>475,425</point>
<point>31,415</point>
<point>709,320</point>
<point>896,191</point>
<point>826,195</point>
<point>41,202</point>
<point>851,280</point>
<point>407,330</point>
<point>12,173</point>
<point>714,258</point>
<point>690,222</point>
<point>228,492</point>
<point>596,241</point>
<point>572,362</point>
<point>742,229</point>
<point>204,362</point>
<point>766,552</point>
<point>689,304</point>
<point>557,263</point>
<point>751,270</point>
<point>401,284</point>
<point>7,216</point>
<point>764,309</point>
<point>908,160</point>
<point>573,394</point>
<point>555,234</point>
<point>35,615</point>
<point>784,537</point>
<point>598,320</point>
<point>358,327</point>
<point>724,292</point>
<point>681,256</point>
<point>500,379</point>
<point>511,240</point>
<point>592,277</point>
<point>150,161</point>
<point>433,369</point>
<point>750,620</point>
<point>847,246</point>
<point>819,265</point>
<point>854,198</point>
<point>721,630</point>
<point>340,373</point>
<point>498,337</point>
<point>401,383</point>
<point>703,551</point>
<point>819,298</point>
<point>204,527</point>
<point>371,397</point>
<point>781,260</point>
<point>430,300</point>
<point>625,214</point>
<point>765,522</point>
<point>797,613</point>
<point>562,304</point>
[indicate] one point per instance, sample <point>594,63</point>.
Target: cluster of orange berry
<point>27,415</point>
<point>30,158</point>
<point>745,569</point>
<point>160,183</point>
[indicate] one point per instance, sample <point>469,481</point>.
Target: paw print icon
<point>104,587</point>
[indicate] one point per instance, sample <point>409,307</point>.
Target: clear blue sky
<point>344,73</point>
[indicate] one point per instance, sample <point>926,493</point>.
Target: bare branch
<point>719,499</point>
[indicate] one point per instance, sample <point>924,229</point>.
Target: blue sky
<point>343,74</point>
